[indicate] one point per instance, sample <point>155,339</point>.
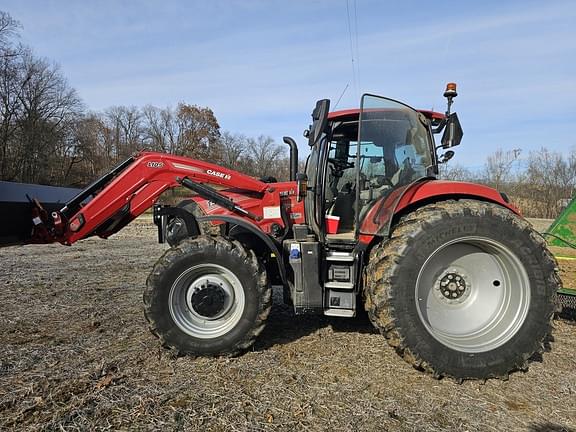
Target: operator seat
<point>344,207</point>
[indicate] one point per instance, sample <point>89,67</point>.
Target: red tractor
<point>454,278</point>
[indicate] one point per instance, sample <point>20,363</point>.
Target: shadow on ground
<point>283,326</point>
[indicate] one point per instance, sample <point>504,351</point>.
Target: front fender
<point>254,229</point>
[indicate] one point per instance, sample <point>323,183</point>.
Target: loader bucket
<point>16,208</point>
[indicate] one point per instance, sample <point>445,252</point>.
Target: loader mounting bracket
<point>163,214</point>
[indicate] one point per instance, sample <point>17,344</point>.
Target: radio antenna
<point>340,98</point>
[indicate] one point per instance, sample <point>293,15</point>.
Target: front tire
<point>207,296</point>
<point>463,289</point>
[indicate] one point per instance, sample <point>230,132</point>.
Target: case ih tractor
<point>453,277</point>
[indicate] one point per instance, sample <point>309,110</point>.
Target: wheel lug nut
<point>451,285</point>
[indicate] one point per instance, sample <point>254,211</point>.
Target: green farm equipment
<point>562,233</point>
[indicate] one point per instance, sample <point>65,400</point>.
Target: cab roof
<point>350,114</point>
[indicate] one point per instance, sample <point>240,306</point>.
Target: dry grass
<point>75,354</point>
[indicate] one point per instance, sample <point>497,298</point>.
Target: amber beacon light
<point>450,90</point>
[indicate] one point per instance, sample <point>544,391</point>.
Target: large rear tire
<point>463,289</point>
<point>207,296</point>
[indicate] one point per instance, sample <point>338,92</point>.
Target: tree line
<point>101,140</point>
<point>48,137</point>
<point>540,184</point>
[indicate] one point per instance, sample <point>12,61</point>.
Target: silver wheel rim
<point>190,318</point>
<point>472,294</point>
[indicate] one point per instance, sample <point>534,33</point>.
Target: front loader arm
<point>129,190</point>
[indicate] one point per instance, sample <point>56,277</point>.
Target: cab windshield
<point>394,143</point>
<point>387,148</point>
<point>394,150</point>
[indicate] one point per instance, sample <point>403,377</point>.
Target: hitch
<point>47,227</point>
<point>43,223</point>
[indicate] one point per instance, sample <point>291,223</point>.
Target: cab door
<point>394,151</point>
<point>315,168</point>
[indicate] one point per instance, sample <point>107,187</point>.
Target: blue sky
<point>261,65</point>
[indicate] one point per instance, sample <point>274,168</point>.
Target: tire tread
<point>221,245</point>
<point>382,270</point>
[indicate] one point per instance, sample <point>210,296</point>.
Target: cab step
<point>347,313</point>
<point>340,256</point>
<point>339,285</point>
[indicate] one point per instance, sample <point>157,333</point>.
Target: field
<point>75,354</point>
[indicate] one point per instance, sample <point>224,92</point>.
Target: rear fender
<point>438,190</point>
<point>379,219</point>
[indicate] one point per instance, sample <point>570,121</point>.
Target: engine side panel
<point>273,207</point>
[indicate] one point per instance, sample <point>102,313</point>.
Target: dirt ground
<point>75,354</point>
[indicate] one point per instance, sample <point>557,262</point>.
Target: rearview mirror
<point>453,133</point>
<point>320,120</point>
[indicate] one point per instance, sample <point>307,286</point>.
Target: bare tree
<point>550,179</point>
<point>11,81</point>
<point>161,129</point>
<point>234,148</point>
<point>455,172</point>
<point>498,170</point>
<point>38,110</point>
<point>9,29</point>
<point>49,105</point>
<point>125,123</point>
<point>265,155</point>
<point>94,149</point>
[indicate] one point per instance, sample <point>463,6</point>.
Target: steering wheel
<point>381,180</point>
<point>341,164</point>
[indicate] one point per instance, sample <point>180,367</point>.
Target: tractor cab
<point>362,161</point>
<point>361,164</point>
